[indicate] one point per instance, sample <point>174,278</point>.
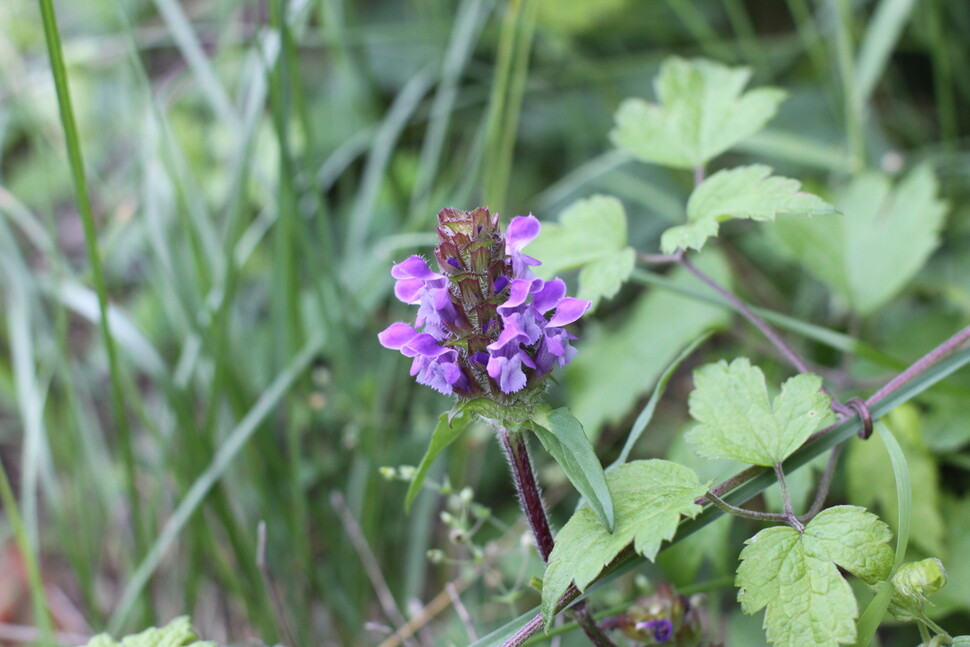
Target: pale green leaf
<point>738,421</point>
<point>886,234</point>
<point>591,235</point>
<point>701,111</point>
<point>794,575</point>
<point>563,437</point>
<point>445,433</point>
<point>177,633</point>
<point>689,236</point>
<point>747,192</point>
<point>620,362</point>
<point>650,497</point>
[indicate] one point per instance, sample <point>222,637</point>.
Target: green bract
<point>739,422</point>
<point>794,575</point>
<point>747,192</point>
<point>649,498</point>
<point>700,112</point>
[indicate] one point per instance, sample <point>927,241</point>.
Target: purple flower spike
<point>486,325</point>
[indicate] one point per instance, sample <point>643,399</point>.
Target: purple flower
<point>663,629</point>
<point>486,325</point>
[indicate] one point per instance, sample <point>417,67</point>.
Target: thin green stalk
<point>511,68</point>
<point>286,285</point>
<point>852,101</point>
<point>37,596</point>
<point>73,142</point>
<point>942,76</point>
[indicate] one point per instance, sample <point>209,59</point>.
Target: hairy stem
<point>523,475</point>
<point>530,497</point>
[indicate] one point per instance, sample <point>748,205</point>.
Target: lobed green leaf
<point>649,497</point>
<point>177,633</point>
<point>794,575</point>
<point>746,192</point>
<point>591,235</point>
<point>885,236</point>
<point>738,421</point>
<point>701,111</point>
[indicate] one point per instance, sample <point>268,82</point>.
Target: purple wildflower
<point>486,325</point>
<point>662,629</point>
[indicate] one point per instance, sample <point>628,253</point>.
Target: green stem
<point>76,161</point>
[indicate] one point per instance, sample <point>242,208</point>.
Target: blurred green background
<point>256,167</point>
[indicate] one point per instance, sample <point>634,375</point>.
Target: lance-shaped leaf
<point>649,498</point>
<point>739,422</point>
<point>448,429</point>
<point>700,113</point>
<point>563,437</point>
<point>591,235</point>
<point>794,575</point>
<point>747,192</point>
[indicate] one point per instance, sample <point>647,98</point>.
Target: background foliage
<point>254,169</point>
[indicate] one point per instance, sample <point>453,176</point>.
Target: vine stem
<point>787,351</point>
<point>921,365</point>
<point>530,497</point>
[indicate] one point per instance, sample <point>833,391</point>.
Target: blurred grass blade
<point>52,36</point>
<point>223,458</point>
<point>30,399</point>
<point>208,82</point>
<point>37,595</point>
<point>646,415</point>
<point>882,33</point>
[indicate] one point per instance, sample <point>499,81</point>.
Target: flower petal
<point>522,231</point>
<point>409,290</point>
<point>518,293</point>
<point>550,295</point>
<point>570,309</point>
<point>414,267</point>
<point>396,335</point>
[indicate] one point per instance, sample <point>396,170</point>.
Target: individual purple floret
<point>662,629</point>
<point>486,325</point>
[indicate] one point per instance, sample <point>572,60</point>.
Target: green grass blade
<point>881,37</point>
<point>208,82</point>
<point>37,596</point>
<point>904,490</point>
<point>872,617</point>
<point>73,141</point>
<point>223,458</point>
<point>646,415</point>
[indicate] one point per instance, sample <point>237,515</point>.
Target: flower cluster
<point>486,325</point>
